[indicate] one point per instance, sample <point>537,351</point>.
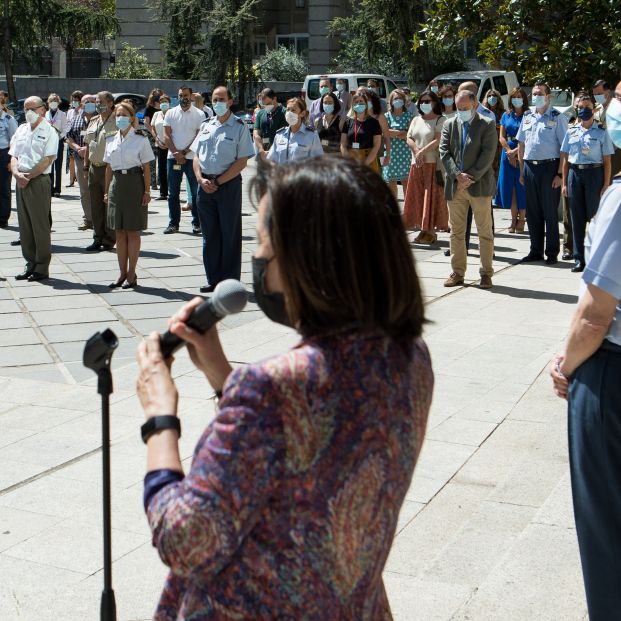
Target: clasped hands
<point>464,181</point>
<point>155,386</point>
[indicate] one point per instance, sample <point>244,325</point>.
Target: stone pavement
<point>486,531</point>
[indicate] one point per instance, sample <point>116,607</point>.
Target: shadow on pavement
<point>515,292</point>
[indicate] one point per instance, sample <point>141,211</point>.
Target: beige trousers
<point>458,213</point>
<point>85,195</point>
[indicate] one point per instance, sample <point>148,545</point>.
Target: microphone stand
<point>97,357</point>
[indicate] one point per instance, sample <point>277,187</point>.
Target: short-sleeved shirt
<point>58,120</point>
<point>157,123</point>
<point>603,253</point>
<point>290,146</point>
<point>361,133</point>
<point>128,152</point>
<point>8,126</point>
<point>97,134</point>
<point>184,125</point>
<point>77,127</point>
<point>218,145</point>
<point>543,134</point>
<point>422,132</point>
<point>31,146</point>
<point>587,146</point>
<point>268,123</point>
<point>486,113</point>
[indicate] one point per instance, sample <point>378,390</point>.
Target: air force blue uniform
<point>217,146</point>
<point>289,146</point>
<point>585,149</point>
<point>8,126</point>
<point>542,135</point>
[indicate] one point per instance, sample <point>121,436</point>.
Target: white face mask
<point>268,107</point>
<point>291,117</point>
<point>31,117</point>
<point>53,106</point>
<point>465,116</point>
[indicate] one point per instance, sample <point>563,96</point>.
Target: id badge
<point>176,166</point>
<point>551,123</point>
<point>355,145</point>
<point>83,133</point>
<point>266,140</point>
<point>325,143</point>
<point>586,150</point>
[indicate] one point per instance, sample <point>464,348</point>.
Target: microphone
<point>229,297</point>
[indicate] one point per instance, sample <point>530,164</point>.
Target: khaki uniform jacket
<point>96,136</point>
<point>481,145</point>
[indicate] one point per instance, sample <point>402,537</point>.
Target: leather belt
<point>128,171</point>
<point>585,166</point>
<point>97,165</point>
<point>537,162</point>
<point>209,177</point>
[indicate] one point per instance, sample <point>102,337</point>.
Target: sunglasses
<point>425,101</point>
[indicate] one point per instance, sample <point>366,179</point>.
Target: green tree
<point>130,64</point>
<point>283,64</point>
<point>567,44</point>
<point>28,24</point>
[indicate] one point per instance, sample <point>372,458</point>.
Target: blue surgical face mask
<point>220,108</point>
<point>465,116</point>
<point>434,89</point>
<point>613,122</point>
<point>324,90</point>
<point>600,99</point>
<point>122,122</point>
<point>397,104</point>
<point>448,101</point>
<point>426,108</point>
<point>164,106</point>
<point>539,101</point>
<point>359,108</point>
<point>328,108</point>
<point>517,102</point>
<point>90,108</point>
<point>491,100</point>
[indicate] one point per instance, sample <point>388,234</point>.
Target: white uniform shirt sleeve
<point>146,152</point>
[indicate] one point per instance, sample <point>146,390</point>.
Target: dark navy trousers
<point>584,187</point>
<point>595,463</point>
<point>174,188</point>
<point>221,226</point>
<point>542,207</point>
<point>5,186</point>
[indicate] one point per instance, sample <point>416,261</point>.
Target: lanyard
<point>356,129</point>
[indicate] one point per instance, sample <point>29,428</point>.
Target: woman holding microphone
<point>291,503</point>
<point>128,176</point>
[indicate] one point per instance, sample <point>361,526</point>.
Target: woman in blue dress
<point>398,119</point>
<point>510,191</point>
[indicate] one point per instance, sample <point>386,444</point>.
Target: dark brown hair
<point>518,91</point>
<point>435,102</point>
<point>343,252</point>
<point>373,97</point>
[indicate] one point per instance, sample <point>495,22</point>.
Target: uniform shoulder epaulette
<point>600,126</point>
<point>555,112</point>
<point>309,128</point>
<point>238,119</point>
<point>282,130</point>
<point>140,132</point>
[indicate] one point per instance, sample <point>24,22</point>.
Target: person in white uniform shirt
<point>297,141</point>
<point>128,178</point>
<point>33,150</point>
<point>58,120</point>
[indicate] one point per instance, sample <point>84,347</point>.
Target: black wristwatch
<point>157,423</point>
<point>216,183</point>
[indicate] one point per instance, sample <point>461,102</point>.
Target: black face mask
<point>185,101</point>
<point>272,304</point>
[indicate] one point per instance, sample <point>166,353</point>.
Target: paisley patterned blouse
<point>290,507</point>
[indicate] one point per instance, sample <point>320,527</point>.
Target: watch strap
<point>158,423</point>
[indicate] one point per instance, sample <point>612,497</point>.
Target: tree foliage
<point>567,44</point>
<point>29,24</point>
<point>130,64</point>
<point>283,64</point>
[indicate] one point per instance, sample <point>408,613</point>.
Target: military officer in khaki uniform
<point>33,149</point>
<point>100,130</point>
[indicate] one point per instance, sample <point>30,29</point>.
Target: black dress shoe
<point>36,276</point>
<point>107,247</point>
<point>16,242</point>
<point>578,267</point>
<point>24,275</point>
<point>94,247</point>
<point>531,258</point>
<point>196,230</point>
<point>207,289</point>
<point>551,261</point>
<point>118,283</point>
<point>4,225</point>
<point>130,285</point>
<point>171,229</point>
<point>567,256</point>
<point>447,253</point>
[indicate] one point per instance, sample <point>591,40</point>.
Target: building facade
<point>301,24</point>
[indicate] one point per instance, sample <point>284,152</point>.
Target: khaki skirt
<point>361,154</point>
<point>125,209</point>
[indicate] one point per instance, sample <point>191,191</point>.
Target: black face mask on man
<point>272,304</point>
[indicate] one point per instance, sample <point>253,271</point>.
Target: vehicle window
<point>312,92</point>
<point>562,98</point>
<point>500,84</point>
<point>486,86</point>
<point>382,86</point>
<point>391,86</point>
<point>455,83</point>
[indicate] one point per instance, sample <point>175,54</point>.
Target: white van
<point>502,81</point>
<point>310,90</point>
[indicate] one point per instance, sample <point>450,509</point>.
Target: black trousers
<point>162,170</point>
<point>584,187</point>
<point>595,464</point>
<point>542,207</point>
<point>57,167</point>
<point>5,186</point>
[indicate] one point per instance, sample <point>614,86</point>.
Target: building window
<point>297,42</point>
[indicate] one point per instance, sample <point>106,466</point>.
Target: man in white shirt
<point>181,125</point>
<point>33,150</point>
